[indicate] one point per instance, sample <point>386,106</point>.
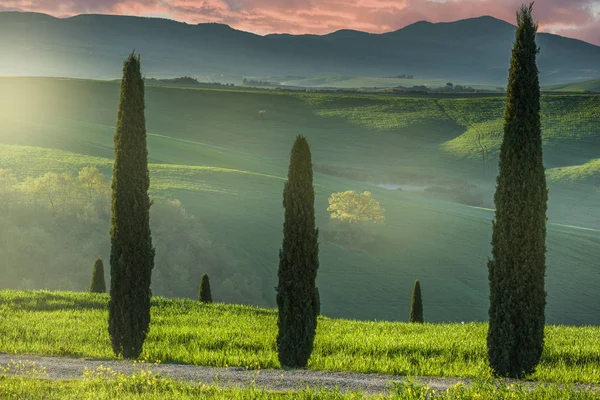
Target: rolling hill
<point>226,162</point>
<point>584,86</point>
<point>474,51</point>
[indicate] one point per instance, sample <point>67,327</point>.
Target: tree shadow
<point>42,301</point>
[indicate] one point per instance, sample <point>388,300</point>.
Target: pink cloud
<point>574,18</point>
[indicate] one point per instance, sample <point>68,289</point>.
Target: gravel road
<point>73,368</point>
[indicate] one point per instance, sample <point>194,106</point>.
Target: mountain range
<point>475,50</point>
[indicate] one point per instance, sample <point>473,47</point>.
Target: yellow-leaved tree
<point>353,207</point>
<point>353,216</point>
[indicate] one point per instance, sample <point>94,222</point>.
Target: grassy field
<point>227,163</point>
<point>184,331</point>
<point>360,82</point>
<point>144,385</point>
<point>351,82</point>
<point>140,386</point>
<point>592,86</point>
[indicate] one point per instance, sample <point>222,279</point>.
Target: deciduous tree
<point>353,208</point>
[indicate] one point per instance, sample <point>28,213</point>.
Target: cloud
<point>574,18</point>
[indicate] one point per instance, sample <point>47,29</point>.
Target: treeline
<point>186,80</point>
<point>253,82</point>
<point>182,80</point>
<point>54,225</point>
<point>402,76</point>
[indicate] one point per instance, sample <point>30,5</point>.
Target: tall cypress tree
<point>416,304</point>
<point>98,284</point>
<point>132,253</point>
<point>205,295</point>
<point>298,262</point>
<point>317,302</point>
<point>516,270</point>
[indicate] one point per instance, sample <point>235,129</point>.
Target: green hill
<point>226,162</point>
<point>351,82</point>
<point>584,86</point>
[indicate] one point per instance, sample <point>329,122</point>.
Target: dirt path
<point>73,368</point>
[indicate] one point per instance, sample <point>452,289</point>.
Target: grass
<point>575,173</point>
<point>166,178</point>
<point>144,385</point>
<point>226,163</point>
<point>185,331</point>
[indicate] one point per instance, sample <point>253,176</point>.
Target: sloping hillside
<point>585,86</point>
<point>226,162</point>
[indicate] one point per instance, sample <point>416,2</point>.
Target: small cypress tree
<point>131,252</point>
<point>317,302</point>
<point>98,284</point>
<point>298,262</point>
<point>516,271</point>
<point>416,304</point>
<point>205,296</point>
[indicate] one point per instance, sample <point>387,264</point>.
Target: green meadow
<point>421,157</point>
<point>591,86</point>
<point>146,386</point>
<point>350,82</point>
<point>186,331</point>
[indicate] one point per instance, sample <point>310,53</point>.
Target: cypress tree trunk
<point>298,262</point>
<point>416,304</point>
<point>132,253</point>
<point>205,295</point>
<point>98,284</point>
<point>516,270</point>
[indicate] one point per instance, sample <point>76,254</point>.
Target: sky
<point>573,18</point>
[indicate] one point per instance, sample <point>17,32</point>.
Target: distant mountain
<point>474,50</point>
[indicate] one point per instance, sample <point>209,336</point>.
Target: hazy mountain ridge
<point>474,50</point>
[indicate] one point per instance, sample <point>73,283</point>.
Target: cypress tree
<point>298,262</point>
<point>416,304</point>
<point>205,296</point>
<point>518,264</point>
<point>131,253</point>
<point>317,302</point>
<point>98,284</point>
